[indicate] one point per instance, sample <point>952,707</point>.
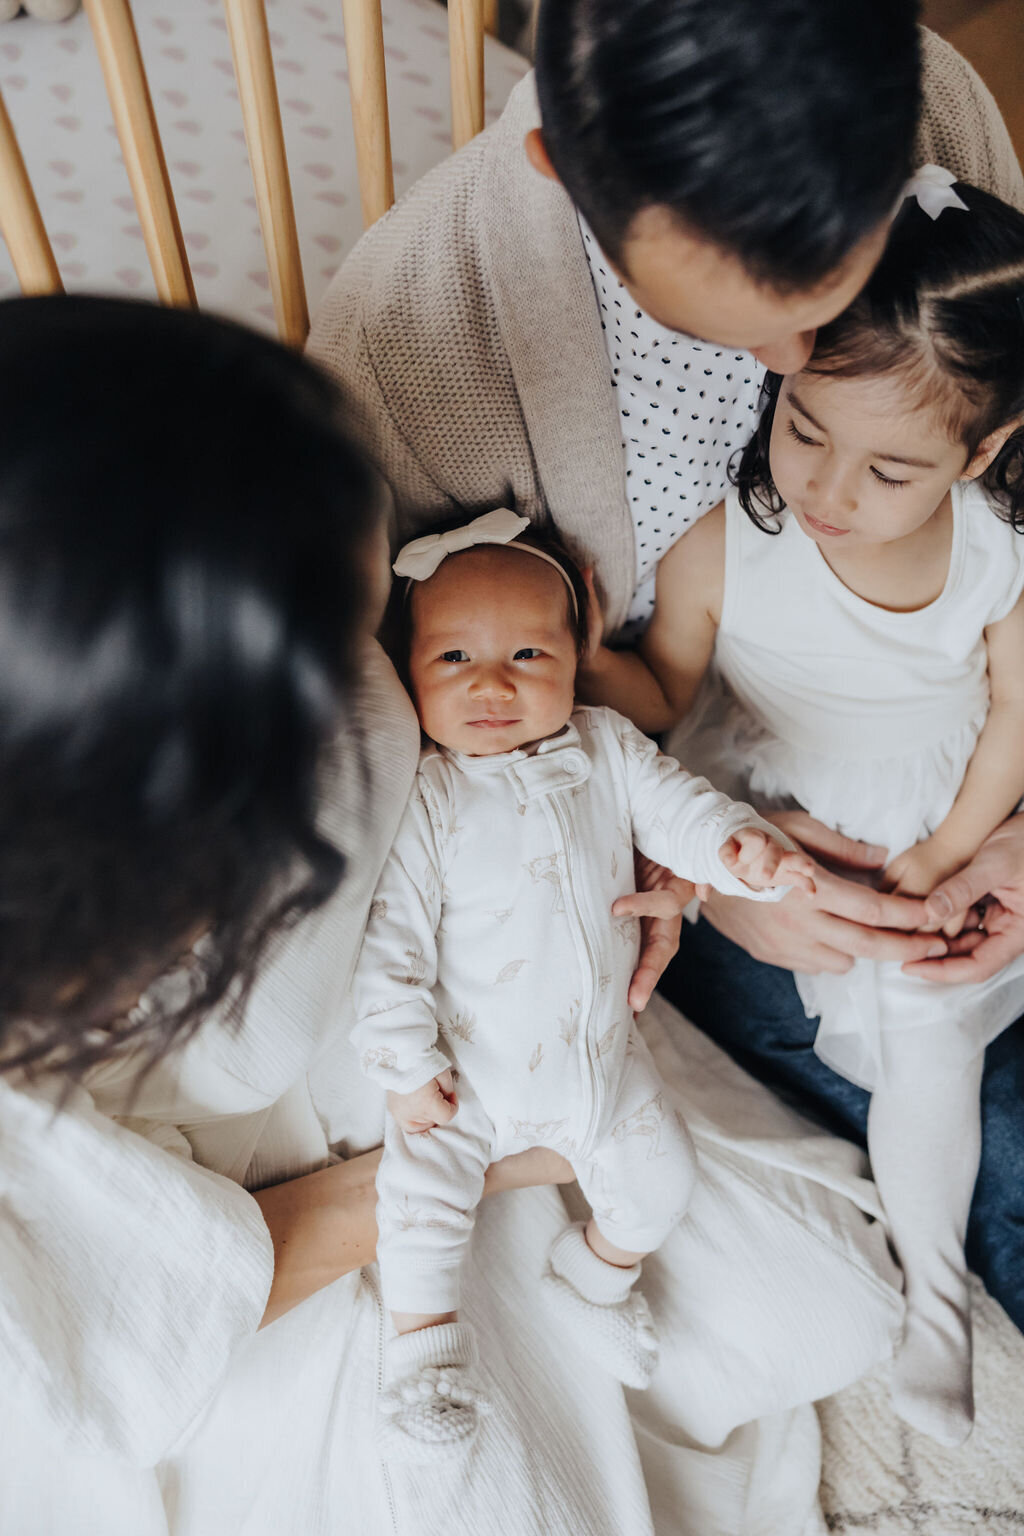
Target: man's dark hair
<point>781,130</point>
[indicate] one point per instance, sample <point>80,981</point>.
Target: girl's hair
<point>398,625</point>
<point>184,569</point>
<point>944,310</point>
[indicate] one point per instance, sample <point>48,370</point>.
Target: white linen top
<point>492,920</point>
<point>685,408</point>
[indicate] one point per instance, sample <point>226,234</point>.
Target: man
<point>572,317</point>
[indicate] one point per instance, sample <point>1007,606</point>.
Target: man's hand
<point>434,1104</point>
<point>843,921</point>
<point>659,901</point>
<point>995,872</point>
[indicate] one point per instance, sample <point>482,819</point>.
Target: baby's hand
<point>759,861</point>
<point>918,870</point>
<point>434,1104</point>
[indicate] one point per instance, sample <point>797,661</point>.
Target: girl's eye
<point>454,655</point>
<point>527,653</point>
<point>893,485</point>
<point>798,436</point>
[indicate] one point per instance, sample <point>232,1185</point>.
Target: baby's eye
<point>527,653</point>
<point>454,655</point>
<point>798,436</point>
<point>886,479</point>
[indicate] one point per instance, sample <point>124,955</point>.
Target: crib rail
<point>21,223</point>
<point>117,47</point>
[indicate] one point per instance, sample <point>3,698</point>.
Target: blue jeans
<point>754,1012</point>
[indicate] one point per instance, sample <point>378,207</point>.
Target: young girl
<point>859,600</point>
<point>492,957</point>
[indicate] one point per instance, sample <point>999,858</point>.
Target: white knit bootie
<point>432,1406</point>
<point>599,1308</point>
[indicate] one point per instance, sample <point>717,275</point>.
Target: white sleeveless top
<point>867,719</point>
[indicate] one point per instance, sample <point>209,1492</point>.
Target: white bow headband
<point>933,188</point>
<point>420,558</point>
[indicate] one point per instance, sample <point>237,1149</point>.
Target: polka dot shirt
<point>685,406</point>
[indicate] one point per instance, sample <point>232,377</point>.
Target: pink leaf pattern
<point>61,115</point>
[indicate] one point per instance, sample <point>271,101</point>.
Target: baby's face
<point>492,661</point>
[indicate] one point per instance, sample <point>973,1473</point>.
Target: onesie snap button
<point>572,763</point>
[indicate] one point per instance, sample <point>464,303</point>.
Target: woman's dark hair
<point>185,546</point>
<point>944,310</point>
<point>779,129</point>
<point>398,625</point>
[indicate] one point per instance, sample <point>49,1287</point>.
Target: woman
<point>203,758</point>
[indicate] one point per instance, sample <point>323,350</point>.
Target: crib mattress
<point>53,88</point>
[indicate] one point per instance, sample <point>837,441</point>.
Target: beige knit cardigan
<point>464,327</point>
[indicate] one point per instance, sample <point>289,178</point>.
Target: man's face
<point>689,285</point>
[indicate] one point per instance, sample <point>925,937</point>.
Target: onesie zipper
<point>590,968</point>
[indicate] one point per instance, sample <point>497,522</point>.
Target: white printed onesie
<point>491,948</point>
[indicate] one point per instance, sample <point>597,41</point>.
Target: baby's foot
<point>931,1379</point>
<point>432,1406</point>
<point>597,1305</point>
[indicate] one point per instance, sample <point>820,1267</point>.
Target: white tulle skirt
<point>875,1019</point>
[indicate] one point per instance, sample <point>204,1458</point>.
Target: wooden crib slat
<point>491,17</point>
<point>261,115</point>
<point>118,48</point>
<point>466,45</point>
<point>20,220</point>
<point>368,96</point>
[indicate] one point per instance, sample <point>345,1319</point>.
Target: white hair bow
<point>421,557</point>
<point>933,188</point>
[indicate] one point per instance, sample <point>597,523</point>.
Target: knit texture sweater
<point>464,329</point>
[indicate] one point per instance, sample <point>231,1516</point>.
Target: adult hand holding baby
<point>995,872</point>
<point>659,901</point>
<point>434,1104</point>
<point>841,922</point>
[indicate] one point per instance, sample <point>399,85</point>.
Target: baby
<point>491,989</point>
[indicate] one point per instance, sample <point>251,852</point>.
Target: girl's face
<point>856,462</point>
<point>492,661</point>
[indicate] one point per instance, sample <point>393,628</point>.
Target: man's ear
<point>988,449</point>
<point>537,154</point>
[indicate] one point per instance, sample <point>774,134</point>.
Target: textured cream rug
<point>878,1476</point>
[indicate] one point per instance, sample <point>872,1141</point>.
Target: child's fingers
<point>414,1125</point>
<point>796,869</point>
<point>743,848</point>
<point>443,1109</point>
<point>446,1084</point>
